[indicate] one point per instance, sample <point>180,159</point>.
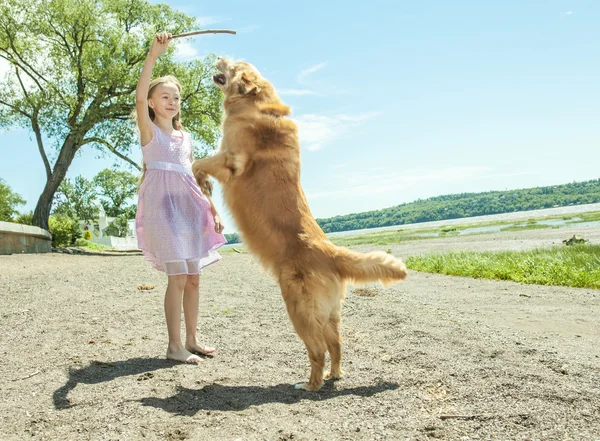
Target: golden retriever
<point>258,165</point>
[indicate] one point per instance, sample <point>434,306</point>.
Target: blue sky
<point>399,100</point>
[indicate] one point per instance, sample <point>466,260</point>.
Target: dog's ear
<point>247,86</point>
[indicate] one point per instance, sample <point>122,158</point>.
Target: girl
<point>178,227</point>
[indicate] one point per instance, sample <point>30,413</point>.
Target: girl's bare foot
<point>195,347</point>
<point>183,355</point>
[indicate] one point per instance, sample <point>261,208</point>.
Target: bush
<point>87,235</point>
<point>25,219</point>
<point>9,201</point>
<point>233,238</point>
<point>64,229</point>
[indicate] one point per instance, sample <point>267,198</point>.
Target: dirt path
<point>435,357</point>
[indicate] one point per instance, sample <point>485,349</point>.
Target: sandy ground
<point>436,357</point>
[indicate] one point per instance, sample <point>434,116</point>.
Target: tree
<point>233,238</point>
<point>77,200</point>
<point>9,200</point>
<point>117,187</point>
<point>467,205</point>
<point>117,228</point>
<point>74,68</point>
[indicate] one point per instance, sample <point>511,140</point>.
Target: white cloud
<point>384,180</point>
<point>210,20</point>
<point>185,51</point>
<point>569,13</point>
<point>316,131</point>
<point>311,70</point>
<point>376,181</point>
<point>248,29</point>
<point>296,92</point>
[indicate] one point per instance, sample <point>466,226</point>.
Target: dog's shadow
<point>235,398</point>
<point>210,397</point>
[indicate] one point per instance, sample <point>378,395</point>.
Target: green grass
<point>588,217</point>
<point>230,250</point>
<point>528,226</point>
<point>91,245</point>
<point>576,266</point>
<point>387,237</point>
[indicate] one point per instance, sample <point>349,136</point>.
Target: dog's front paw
<point>202,180</point>
<point>308,386</point>
<point>199,174</point>
<point>205,184</point>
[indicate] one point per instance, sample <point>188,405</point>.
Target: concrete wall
<point>118,243</point>
<point>17,238</point>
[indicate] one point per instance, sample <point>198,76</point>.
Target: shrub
<point>64,230</point>
<point>25,218</point>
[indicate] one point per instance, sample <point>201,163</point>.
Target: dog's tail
<point>369,267</point>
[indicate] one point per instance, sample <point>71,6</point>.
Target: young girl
<point>178,228</point>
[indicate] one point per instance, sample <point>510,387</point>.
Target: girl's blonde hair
<point>176,119</point>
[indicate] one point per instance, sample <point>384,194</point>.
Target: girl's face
<point>165,100</point>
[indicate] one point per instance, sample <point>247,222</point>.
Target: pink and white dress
<point>174,223</point>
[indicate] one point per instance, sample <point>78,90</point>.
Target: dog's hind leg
<point>309,321</point>
<point>316,347</point>
<point>333,339</point>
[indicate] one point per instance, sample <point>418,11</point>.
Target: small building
<point>99,225</point>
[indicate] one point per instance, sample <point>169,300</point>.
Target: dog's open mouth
<point>220,79</point>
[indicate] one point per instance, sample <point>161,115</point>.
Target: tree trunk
<point>44,205</point>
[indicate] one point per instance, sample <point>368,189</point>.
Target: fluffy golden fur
<point>258,165</point>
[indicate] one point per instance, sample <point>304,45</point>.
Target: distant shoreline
<point>516,215</point>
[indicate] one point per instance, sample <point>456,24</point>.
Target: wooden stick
<point>27,376</point>
<point>213,31</point>
<point>462,417</point>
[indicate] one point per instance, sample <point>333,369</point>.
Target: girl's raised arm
<point>159,46</point>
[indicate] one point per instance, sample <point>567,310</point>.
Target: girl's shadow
<point>100,372</point>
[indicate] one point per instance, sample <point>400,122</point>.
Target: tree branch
<point>15,52</point>
<point>16,109</point>
<point>29,67</point>
<point>189,95</point>
<point>38,136</point>
<point>63,38</point>
<point>22,85</point>
<point>112,149</point>
<point>36,128</point>
<point>11,60</point>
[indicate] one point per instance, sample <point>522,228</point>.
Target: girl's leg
<point>175,350</point>
<point>190,312</point>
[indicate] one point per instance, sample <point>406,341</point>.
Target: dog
<point>258,166</point>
